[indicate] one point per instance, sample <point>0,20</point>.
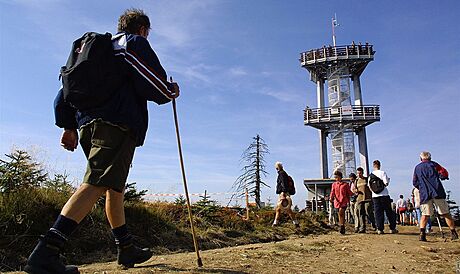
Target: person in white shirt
<point>382,203</point>
<point>401,208</point>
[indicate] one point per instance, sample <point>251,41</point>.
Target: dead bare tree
<point>253,170</point>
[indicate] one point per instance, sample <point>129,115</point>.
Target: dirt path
<point>330,253</point>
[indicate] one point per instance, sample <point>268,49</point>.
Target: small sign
<point>347,110</point>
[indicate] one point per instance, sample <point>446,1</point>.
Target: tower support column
<point>357,90</point>
<point>320,93</point>
<point>362,139</point>
<point>322,133</point>
<point>363,154</point>
<point>323,154</point>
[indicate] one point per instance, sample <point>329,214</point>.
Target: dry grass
<point>161,226</point>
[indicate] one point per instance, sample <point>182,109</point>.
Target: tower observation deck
<point>345,115</point>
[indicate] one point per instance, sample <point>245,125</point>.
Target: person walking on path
<point>363,202</point>
<point>427,179</point>
<point>284,203</point>
<point>410,212</point>
<point>353,200</point>
<point>109,134</point>
<point>401,208</point>
<point>382,202</point>
<point>340,194</point>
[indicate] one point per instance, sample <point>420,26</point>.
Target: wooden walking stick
<point>190,216</point>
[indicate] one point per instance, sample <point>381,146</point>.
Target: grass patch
<point>162,226</point>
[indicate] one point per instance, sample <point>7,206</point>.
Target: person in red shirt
<point>340,194</point>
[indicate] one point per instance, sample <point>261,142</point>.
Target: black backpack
<point>376,184</point>
<point>92,73</point>
<point>291,185</point>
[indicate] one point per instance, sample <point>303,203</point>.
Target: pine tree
<point>206,207</point>
<point>132,194</point>
<point>180,201</point>
<point>19,172</point>
<point>253,171</point>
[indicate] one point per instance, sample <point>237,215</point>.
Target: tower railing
<point>341,114</point>
<point>331,53</point>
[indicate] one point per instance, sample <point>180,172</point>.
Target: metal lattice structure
<point>342,139</point>
<point>341,115</point>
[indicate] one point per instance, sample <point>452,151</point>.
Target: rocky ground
<point>329,253</point>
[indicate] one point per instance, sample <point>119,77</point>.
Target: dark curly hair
<point>132,20</point>
<point>338,174</point>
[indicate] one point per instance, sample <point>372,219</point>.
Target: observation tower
<point>340,113</point>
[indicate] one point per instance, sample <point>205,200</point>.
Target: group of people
<point>110,132</point>
<point>368,205</point>
<point>408,210</point>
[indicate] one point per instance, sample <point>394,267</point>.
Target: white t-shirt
<point>382,175</point>
<point>401,203</point>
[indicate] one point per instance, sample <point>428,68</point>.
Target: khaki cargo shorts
<point>109,150</point>
<point>441,207</point>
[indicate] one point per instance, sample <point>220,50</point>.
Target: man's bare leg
<point>82,201</point>
<point>114,208</point>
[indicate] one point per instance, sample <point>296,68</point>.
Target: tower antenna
<point>334,24</point>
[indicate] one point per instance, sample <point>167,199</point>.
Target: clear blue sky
<point>237,65</point>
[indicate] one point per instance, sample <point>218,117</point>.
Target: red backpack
<point>443,173</point>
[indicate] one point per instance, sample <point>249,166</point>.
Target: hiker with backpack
<point>106,85</point>
<point>378,183</point>
<point>340,194</point>
<point>284,188</point>
<point>427,179</point>
<point>363,202</point>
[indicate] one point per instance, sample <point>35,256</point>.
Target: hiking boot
<point>342,229</point>
<point>45,258</point>
<point>356,230</point>
<point>130,254</point>
<point>422,237</point>
<point>380,232</point>
<point>394,231</point>
<point>362,231</point>
<point>454,235</point>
